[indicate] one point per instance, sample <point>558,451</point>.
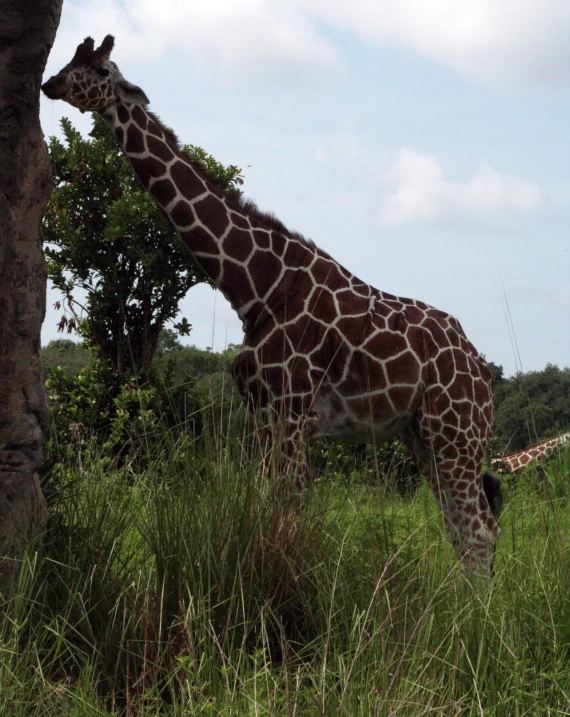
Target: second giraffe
<point>515,462</point>
<point>324,353</point>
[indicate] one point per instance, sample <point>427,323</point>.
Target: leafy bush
<point>119,417</point>
<point>106,236</point>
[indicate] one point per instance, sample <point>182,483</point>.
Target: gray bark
<point>27,32</point>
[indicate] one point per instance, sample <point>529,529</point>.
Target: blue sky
<point>424,145</point>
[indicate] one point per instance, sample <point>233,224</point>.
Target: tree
<point>27,31</point>
<point>106,236</point>
<point>532,406</point>
<point>497,373</point>
<point>69,355</point>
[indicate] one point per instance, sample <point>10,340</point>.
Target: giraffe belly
<point>356,420</point>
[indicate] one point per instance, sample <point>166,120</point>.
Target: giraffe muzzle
<point>55,88</point>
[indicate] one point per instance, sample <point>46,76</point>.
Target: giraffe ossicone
<point>324,353</point>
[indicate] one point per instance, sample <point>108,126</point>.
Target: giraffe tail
<point>492,484</point>
<point>493,492</point>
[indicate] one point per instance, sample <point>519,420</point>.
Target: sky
<point>425,146</point>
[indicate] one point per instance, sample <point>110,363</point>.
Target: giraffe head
<point>91,81</point>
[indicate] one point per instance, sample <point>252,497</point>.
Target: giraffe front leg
<point>289,424</point>
<point>286,422</point>
<point>294,447</point>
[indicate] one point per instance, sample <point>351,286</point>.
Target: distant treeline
<point>528,407</point>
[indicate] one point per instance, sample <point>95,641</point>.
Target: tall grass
<point>200,587</point>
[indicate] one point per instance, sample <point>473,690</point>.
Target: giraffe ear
<point>131,93</point>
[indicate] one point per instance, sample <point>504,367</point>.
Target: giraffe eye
<point>101,71</point>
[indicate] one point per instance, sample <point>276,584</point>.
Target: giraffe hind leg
<point>467,499</point>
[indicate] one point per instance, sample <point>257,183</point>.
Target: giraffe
<point>515,462</point>
<point>324,353</point>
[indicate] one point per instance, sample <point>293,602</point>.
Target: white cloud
<point>419,193</point>
<point>498,42</point>
<point>260,40</point>
<point>495,41</point>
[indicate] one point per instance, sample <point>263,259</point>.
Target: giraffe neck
<point>243,252</point>
<point>515,462</point>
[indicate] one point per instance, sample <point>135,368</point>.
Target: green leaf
<point>105,236</point>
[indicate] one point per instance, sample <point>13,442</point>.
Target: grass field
<point>198,587</point>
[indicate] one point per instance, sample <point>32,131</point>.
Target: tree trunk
<point>27,32</point>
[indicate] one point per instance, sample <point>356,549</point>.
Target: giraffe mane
<point>170,135</point>
<point>238,202</point>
